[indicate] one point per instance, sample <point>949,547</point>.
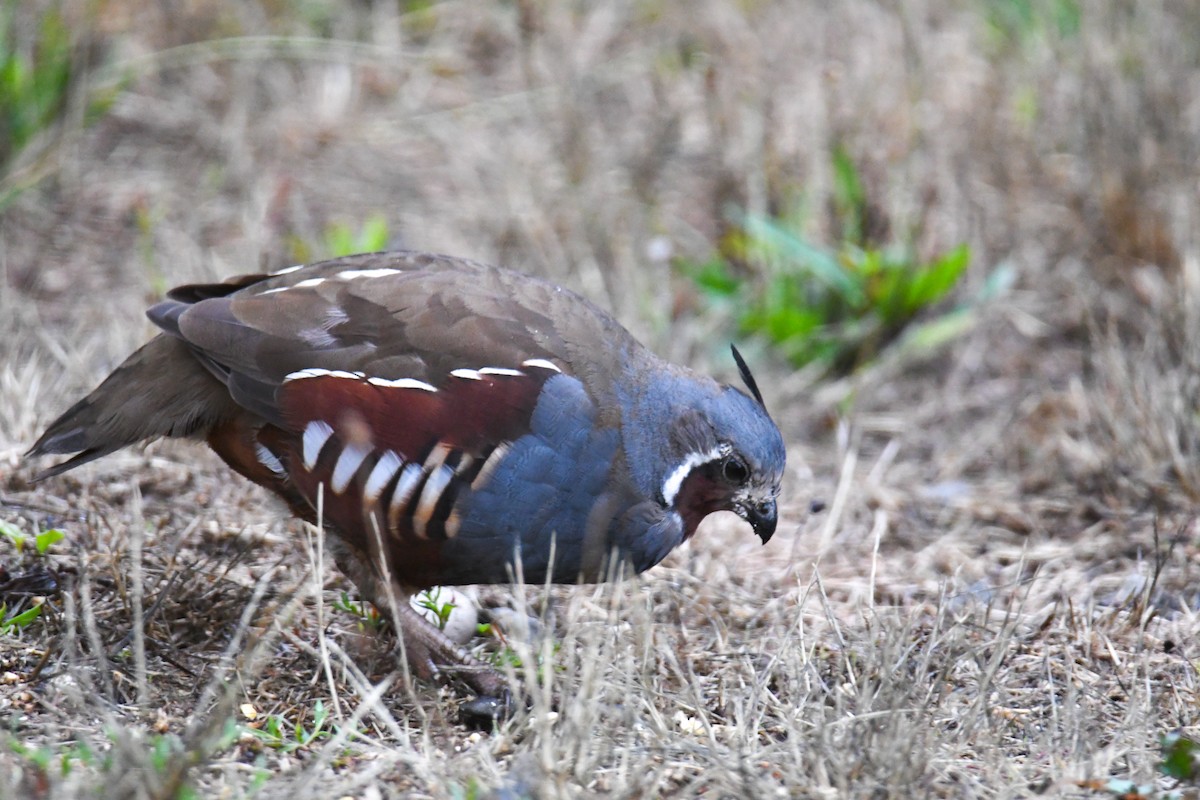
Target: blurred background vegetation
<point>957,239</point>
<point>829,204</point>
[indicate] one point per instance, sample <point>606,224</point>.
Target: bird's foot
<point>432,656</point>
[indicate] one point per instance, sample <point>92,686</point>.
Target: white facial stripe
<point>490,465</point>
<point>348,463</point>
<point>276,290</point>
<point>500,371</point>
<point>467,374</point>
<point>675,480</point>
<point>541,363</point>
<point>409,479</point>
<point>439,479</point>
<point>268,459</point>
<point>286,270</point>
<point>385,469</point>
<point>351,274</point>
<point>316,434</point>
<point>402,383</point>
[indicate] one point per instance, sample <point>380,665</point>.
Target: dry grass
<point>1000,598</point>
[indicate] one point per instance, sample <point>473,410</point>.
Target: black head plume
<point>744,370</point>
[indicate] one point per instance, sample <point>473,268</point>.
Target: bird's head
<point>727,456</point>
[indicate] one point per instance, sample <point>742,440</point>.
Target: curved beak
<point>762,518</point>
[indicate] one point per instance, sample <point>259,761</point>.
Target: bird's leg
<point>431,654</point>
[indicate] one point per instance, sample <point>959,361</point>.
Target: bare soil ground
<point>1001,597</point>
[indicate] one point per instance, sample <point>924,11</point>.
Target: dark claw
<point>34,582</point>
<point>486,712</point>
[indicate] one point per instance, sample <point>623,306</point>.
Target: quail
<point>453,423</point>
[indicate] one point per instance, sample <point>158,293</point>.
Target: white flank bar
<point>316,434</point>
<point>437,456</point>
<point>316,372</point>
<point>351,274</point>
<point>402,383</point>
<point>268,459</point>
<point>409,479</point>
<point>385,469</point>
<point>347,465</point>
<point>439,479</point>
<point>493,460</point>
<point>541,363</point>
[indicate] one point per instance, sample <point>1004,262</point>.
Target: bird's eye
<point>735,471</point>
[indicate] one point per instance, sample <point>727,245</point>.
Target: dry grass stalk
<point>1000,597</point>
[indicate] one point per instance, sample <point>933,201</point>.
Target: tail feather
<point>77,460</point>
<point>160,390</point>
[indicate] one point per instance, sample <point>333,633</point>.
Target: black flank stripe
<point>471,472</point>
<point>453,458</point>
<point>423,455</point>
<point>327,459</point>
<point>436,529</point>
<point>441,512</point>
<point>359,481</point>
<point>389,488</point>
<point>385,500</point>
<point>414,500</point>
